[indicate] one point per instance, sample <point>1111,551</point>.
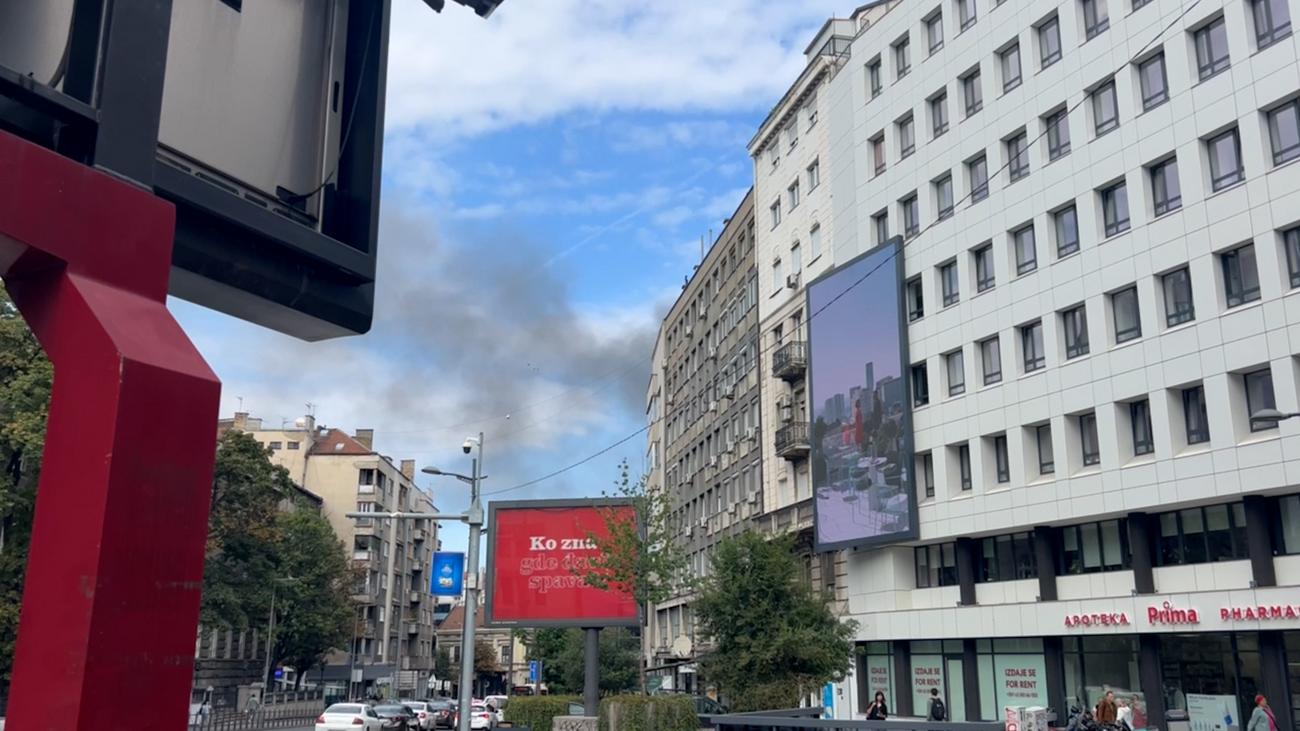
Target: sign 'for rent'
<point>539,553</point>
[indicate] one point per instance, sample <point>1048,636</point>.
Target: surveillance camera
<point>467,446</point>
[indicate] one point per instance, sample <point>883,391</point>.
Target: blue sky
<point>548,175</point>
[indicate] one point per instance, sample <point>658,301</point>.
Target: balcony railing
<point>417,597</point>
<point>361,554</point>
<point>790,360</point>
<point>792,440</point>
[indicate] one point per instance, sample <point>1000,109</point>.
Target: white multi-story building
<point>1100,202</point>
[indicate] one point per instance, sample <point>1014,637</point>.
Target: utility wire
<point>898,249</point>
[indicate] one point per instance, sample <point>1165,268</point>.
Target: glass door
<point>955,693</point>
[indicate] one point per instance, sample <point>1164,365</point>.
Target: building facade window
<point>991,360</point>
<point>1272,21</point>
<point>1001,460</point>
<point>1105,108</point>
<point>1094,547</point>
<point>1195,419</point>
<point>966,13</point>
<point>984,277</point>
<point>874,84</point>
<point>793,193</point>
<point>911,210</point>
<point>920,385</point>
<point>1286,530</point>
<point>1139,417</point>
<point>1007,557</point>
<point>902,57</point>
<point>1031,345</point>
<point>1095,18</point>
<point>955,364</point>
<point>963,465</point>
<point>1089,447</point>
<point>814,242</point>
<point>938,115</point>
<point>775,210</point>
<point>972,93</point>
<point>814,174</point>
<point>936,565</point>
<point>1026,251</point>
<point>906,136</point>
<point>943,196</point>
<point>1259,395</point>
<point>1018,156</point>
<point>1114,208</point>
<point>915,300</point>
<point>1240,275</point>
<point>878,153</point>
<point>1066,223</point>
<point>1154,81</point>
<point>927,471</point>
<point>977,172</point>
<point>1058,134</point>
<point>1043,446</point>
<point>1291,242</point>
<point>881,223</point>
<point>1074,322</point>
<point>1201,535</point>
<point>1049,41</point>
<point>1177,286</point>
<point>1125,315</point>
<point>934,32</point>
<point>1284,132</point>
<point>1009,59</point>
<point>1166,193</point>
<point>1225,159</point>
<point>1211,42</point>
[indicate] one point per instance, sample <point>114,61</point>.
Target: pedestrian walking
<point>1261,719</point>
<point>878,711</point>
<point>937,710</point>
<point>1107,711</point>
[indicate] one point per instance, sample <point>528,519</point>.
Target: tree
<point>550,646</point>
<point>240,558</point>
<point>314,609</point>
<point>442,669</point>
<point>25,378</point>
<point>620,654</point>
<point>774,640</point>
<point>639,554</point>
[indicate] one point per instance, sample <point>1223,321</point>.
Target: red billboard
<point>538,553</point>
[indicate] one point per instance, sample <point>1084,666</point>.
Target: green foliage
<point>485,660</point>
<point>314,610</point>
<point>562,654</point>
<point>550,646</point>
<point>768,629</point>
<point>25,377</point>
<point>538,712</point>
<point>648,713</point>
<point>442,669</point>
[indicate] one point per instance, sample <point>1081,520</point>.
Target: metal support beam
<point>591,672</point>
<point>116,561</point>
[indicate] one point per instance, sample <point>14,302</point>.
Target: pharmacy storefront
<point>1207,659</point>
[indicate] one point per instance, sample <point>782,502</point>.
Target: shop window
<point>1094,664</point>
<point>1012,672</point>
<point>936,565</point>
<point>1199,535</point>
<point>1094,547</point>
<point>875,672</point>
<point>1007,558</point>
<point>1286,528</point>
<point>1220,664</point>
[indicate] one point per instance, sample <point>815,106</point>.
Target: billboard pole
<point>474,517</point>
<point>591,672</point>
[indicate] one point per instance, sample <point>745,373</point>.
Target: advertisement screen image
<point>861,422</point>
<point>539,553</point>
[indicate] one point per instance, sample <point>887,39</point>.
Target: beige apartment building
<point>395,612</point>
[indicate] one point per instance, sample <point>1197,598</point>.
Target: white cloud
<point>534,60</point>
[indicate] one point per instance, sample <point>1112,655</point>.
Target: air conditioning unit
<point>792,280</point>
<point>731,446</point>
<point>753,499</point>
<point>689,331</point>
<point>713,352</point>
<point>713,461</point>
<point>704,522</point>
<point>729,391</point>
<point>704,312</point>
<point>752,433</point>
<point>713,407</point>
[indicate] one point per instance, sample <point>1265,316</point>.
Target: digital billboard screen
<point>861,431</point>
<point>538,554</point>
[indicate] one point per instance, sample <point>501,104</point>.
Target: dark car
<point>444,713</point>
<point>396,716</point>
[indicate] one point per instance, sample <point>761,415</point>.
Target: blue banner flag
<point>448,573</point>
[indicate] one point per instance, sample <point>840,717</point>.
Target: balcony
<point>364,527</point>
<point>412,628</point>
<point>417,597</point>
<point>362,554</point>
<point>362,596</point>
<point>792,440</point>
<point>790,360</point>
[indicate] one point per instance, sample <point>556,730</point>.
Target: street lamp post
<point>1269,418</point>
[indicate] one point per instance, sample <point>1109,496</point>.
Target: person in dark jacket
<point>878,711</point>
<point>936,710</point>
<point>1107,710</point>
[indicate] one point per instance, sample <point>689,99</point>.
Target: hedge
<point>649,713</point>
<point>537,712</point>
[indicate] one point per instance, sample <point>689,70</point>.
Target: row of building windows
<point>1188,403</point>
<point>1188,536</point>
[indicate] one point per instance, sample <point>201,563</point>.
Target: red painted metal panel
<point>114,574</point>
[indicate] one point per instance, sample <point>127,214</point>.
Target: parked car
<point>443,712</point>
<point>479,717</point>
<point>423,714</point>
<point>499,703</point>
<point>349,717</point>
<point>396,716</point>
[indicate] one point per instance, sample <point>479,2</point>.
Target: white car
<point>498,702</point>
<point>479,717</point>
<point>349,717</point>
<point>423,714</point>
